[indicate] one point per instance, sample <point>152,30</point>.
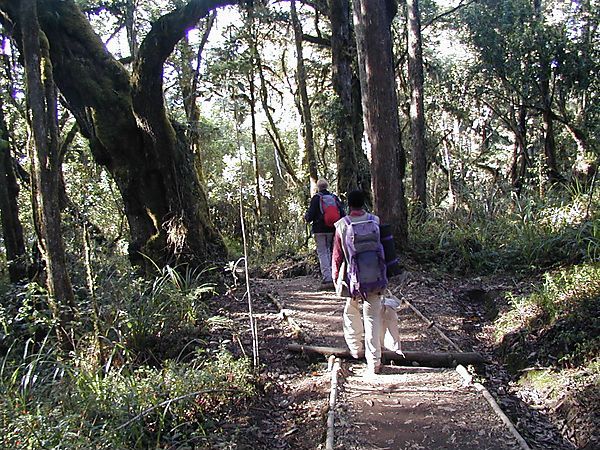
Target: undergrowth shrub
<point>527,235</point>
<point>140,376</point>
<point>70,408</point>
<point>561,320</point>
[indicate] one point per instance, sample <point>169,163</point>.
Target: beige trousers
<point>363,334</point>
<point>390,338</point>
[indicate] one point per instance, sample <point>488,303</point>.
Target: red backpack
<point>329,209</point>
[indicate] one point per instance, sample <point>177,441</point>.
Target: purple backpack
<point>366,260</point>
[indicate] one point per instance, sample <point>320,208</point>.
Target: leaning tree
<point>122,114</point>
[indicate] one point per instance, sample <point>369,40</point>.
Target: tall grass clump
<point>524,235</point>
<point>141,374</point>
<point>561,318</point>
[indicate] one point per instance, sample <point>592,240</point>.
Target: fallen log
<point>407,358</point>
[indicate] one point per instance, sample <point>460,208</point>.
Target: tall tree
<point>125,120</point>
<point>188,81</point>
<point>502,76</point>
<point>352,167</point>
<point>273,131</point>
<point>417,110</point>
<point>46,161</point>
<point>253,37</point>
<point>309,141</point>
<point>372,20</point>
<point>544,75</point>
<point>578,64</point>
<point>520,159</point>
<point>130,26</point>
<point>12,230</point>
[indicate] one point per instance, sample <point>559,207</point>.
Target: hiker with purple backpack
<point>324,210</point>
<point>359,274</point>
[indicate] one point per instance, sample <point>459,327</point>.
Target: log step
<point>407,358</point>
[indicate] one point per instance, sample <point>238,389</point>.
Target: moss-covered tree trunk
<point>520,160</point>
<point>546,93</point>
<point>310,158</point>
<point>352,164</point>
<point>188,82</point>
<point>125,120</point>
<point>417,110</point>
<point>12,231</point>
<point>253,38</point>
<point>46,161</point>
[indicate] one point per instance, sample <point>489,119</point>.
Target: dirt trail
<point>402,408</point>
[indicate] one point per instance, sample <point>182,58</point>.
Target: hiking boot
<point>357,355</point>
<point>373,370</point>
<point>326,285</point>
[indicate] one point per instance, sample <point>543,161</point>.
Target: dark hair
<point>356,199</point>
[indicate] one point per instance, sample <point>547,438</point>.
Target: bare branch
<point>321,41</point>
<point>162,38</point>
<point>462,4</point>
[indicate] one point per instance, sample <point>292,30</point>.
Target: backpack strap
<point>320,202</point>
<point>338,202</point>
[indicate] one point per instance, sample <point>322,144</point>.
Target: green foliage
<point>140,375</point>
<point>530,234</point>
<point>173,300</point>
<point>135,408</point>
<point>93,195</point>
<point>542,380</point>
<point>29,316</point>
<point>560,319</point>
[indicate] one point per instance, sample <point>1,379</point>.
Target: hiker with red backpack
<point>325,209</point>
<point>359,274</point>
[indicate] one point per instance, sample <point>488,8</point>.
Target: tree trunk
<point>453,198</point>
<point>364,165</point>
<point>46,161</point>
<point>544,73</point>
<point>188,82</point>
<point>427,359</point>
<point>520,161</point>
<point>417,112</point>
<point>253,100</point>
<point>309,141</point>
<point>130,26</point>
<point>342,55</point>
<point>372,19</point>
<point>553,173</point>
<point>274,134</point>
<point>341,43</point>
<point>12,229</point>
<point>255,161</point>
<point>125,119</point>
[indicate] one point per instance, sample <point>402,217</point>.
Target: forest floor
<point>402,408</point>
